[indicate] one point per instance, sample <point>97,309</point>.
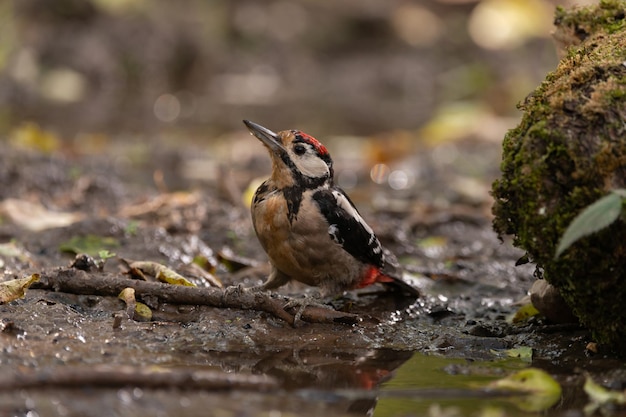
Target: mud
<point>468,278</point>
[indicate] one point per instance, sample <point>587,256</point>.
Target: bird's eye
<point>299,149</point>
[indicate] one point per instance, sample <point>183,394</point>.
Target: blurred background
<point>352,67</point>
<point>413,98</point>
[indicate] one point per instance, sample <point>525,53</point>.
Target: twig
<point>118,376</point>
<point>80,282</point>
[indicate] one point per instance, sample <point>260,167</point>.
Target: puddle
<point>428,384</point>
<point>362,382</point>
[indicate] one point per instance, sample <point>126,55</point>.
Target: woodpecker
<point>309,227</point>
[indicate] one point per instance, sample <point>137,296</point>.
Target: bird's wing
<point>347,228</point>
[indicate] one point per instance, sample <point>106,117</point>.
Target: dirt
<point>468,277</point>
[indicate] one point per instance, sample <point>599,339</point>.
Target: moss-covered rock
<point>568,151</point>
<point>575,26</point>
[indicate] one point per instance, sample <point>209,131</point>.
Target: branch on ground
<point>76,281</point>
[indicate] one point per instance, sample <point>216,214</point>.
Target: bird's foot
<point>302,303</point>
<point>235,290</point>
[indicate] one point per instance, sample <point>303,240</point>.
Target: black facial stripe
<point>301,180</point>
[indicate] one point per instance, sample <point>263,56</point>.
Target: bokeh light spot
<point>399,180</point>
<point>379,173</point>
<point>167,108</point>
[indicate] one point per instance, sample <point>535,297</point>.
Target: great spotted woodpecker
<point>310,229</point>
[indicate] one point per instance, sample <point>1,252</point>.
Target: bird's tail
<point>392,278</point>
<point>393,273</point>
<point>401,284</point>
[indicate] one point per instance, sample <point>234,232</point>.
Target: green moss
<point>568,151</point>
<point>580,23</point>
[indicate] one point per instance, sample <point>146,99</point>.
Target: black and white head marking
<point>309,157</point>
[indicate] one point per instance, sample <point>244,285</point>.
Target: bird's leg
<point>275,280</point>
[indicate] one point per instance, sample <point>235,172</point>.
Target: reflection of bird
<point>309,228</point>
<point>359,372</point>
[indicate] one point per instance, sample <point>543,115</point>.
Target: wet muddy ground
<point>171,204</point>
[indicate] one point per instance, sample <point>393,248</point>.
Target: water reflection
<point>343,381</point>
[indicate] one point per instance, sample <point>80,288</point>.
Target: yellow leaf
<point>523,313</point>
<point>161,273</point>
<point>127,295</point>
<point>530,380</point>
<point>171,277</point>
<point>455,121</point>
<point>142,312</point>
<point>14,289</point>
<point>540,389</point>
<point>30,136</point>
<point>248,194</point>
<point>600,396</point>
<point>136,310</point>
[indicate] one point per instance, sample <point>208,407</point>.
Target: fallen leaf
<point>455,121</point>
<point>134,309</point>
<point>30,136</point>
<point>161,273</point>
<point>105,254</point>
<point>12,250</point>
<point>14,289</point>
<point>529,380</point>
<point>523,313</point>
<point>194,270</point>
<point>166,202</point>
<point>540,389</point>
<point>204,263</point>
<point>248,193</point>
<point>172,277</point>
<point>92,245</point>
<point>34,216</point>
<point>600,396</point>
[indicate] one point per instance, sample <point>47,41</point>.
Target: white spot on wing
<point>333,231</point>
<point>344,203</point>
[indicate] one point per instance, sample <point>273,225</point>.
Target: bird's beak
<point>269,138</point>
